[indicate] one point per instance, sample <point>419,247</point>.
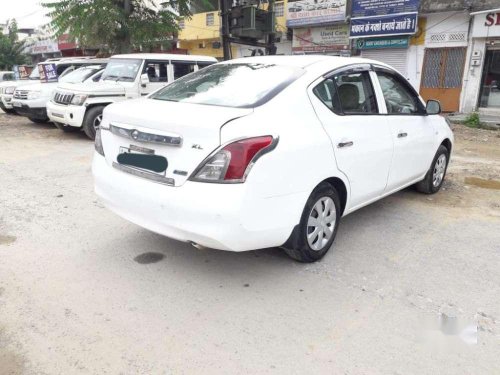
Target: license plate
<point>16,104</point>
<point>142,158</point>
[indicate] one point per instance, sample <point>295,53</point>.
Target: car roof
<point>308,62</point>
<point>69,61</point>
<point>165,56</point>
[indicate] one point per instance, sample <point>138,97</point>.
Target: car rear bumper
<point>219,216</point>
<point>70,115</point>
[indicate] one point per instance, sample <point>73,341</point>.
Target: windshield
<point>79,75</point>
<point>121,70</point>
<point>231,85</point>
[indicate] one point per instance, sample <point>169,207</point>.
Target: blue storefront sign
<point>399,24</point>
<point>368,8</point>
<point>377,43</point>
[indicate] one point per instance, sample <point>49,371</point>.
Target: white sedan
<point>268,151</point>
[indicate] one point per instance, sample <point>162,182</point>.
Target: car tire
<point>434,177</point>
<point>308,242</point>
<point>7,110</point>
<point>92,120</point>
<point>39,120</point>
<point>66,128</point>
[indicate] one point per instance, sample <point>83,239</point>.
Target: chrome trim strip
<point>147,175</point>
<point>140,136</point>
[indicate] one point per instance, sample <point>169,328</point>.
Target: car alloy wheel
<point>97,121</point>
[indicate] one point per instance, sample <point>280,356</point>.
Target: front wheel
<point>434,178</point>
<point>317,229</point>
<point>92,121</point>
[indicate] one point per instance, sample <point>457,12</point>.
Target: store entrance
<point>490,81</point>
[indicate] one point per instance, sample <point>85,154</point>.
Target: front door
<point>411,128</point>
<point>442,76</point>
<point>157,72</point>
<point>347,107</point>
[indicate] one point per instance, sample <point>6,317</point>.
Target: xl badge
<point>197,146</point>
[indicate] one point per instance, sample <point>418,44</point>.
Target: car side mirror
<point>144,80</point>
<point>433,107</point>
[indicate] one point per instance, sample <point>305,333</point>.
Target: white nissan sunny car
<point>268,151</point>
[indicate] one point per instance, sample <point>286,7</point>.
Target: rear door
<point>411,129</point>
<point>157,72</point>
<point>346,104</point>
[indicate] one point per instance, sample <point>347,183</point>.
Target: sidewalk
<point>488,119</point>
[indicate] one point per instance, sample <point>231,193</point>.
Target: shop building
<point>482,77</point>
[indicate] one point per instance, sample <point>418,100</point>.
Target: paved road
<point>410,287</point>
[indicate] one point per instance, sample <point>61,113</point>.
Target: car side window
<point>399,98</point>
<point>348,94</point>
<point>182,68</point>
<point>156,71</point>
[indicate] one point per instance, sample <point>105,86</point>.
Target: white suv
<point>268,151</point>
<point>126,77</point>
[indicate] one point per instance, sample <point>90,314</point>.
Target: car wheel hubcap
<point>97,122</point>
<point>321,223</point>
<point>439,169</point>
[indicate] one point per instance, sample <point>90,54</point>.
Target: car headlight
<point>33,95</point>
<point>9,90</point>
<point>79,99</point>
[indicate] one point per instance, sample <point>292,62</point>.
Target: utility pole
<point>224,29</point>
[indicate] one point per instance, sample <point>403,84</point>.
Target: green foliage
<point>11,49</point>
<point>116,26</point>
<point>472,120</point>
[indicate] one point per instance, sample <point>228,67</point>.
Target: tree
<point>11,49</point>
<point>116,25</point>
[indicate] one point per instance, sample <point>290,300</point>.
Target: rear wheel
<point>317,229</point>
<point>436,173</point>
<point>39,120</point>
<point>66,128</point>
<point>92,121</point>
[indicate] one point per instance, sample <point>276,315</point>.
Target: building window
<point>279,9</point>
<point>182,25</point>
<point>210,19</point>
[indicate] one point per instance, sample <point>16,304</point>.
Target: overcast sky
<point>28,13</point>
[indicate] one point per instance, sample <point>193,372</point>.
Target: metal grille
<point>453,67</point>
<point>437,38</point>
<point>459,36</point>
<point>63,98</point>
<point>21,94</point>
<point>432,67</point>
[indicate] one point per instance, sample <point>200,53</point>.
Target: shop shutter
<point>397,58</point>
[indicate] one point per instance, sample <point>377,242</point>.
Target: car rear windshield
<point>242,85</point>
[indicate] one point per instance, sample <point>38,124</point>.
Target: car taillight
<point>233,162</point>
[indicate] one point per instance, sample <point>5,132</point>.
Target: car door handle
<point>402,135</point>
<point>345,144</point>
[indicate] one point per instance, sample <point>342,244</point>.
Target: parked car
<point>268,151</point>
<point>7,76</point>
<point>31,100</point>
<point>7,90</point>
<point>126,76</point>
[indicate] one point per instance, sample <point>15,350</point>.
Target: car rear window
<point>242,85</point>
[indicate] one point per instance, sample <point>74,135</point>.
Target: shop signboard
<point>377,43</point>
<point>321,39</point>
<point>48,72</point>
<point>315,12</point>
<point>368,8</point>
<point>399,24</point>
<point>486,25</point>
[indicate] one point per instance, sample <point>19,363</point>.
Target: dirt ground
<point>411,285</point>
